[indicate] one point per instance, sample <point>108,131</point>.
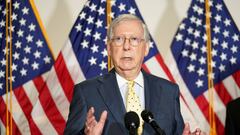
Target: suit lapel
<point>111,95</point>
<point>147,88</point>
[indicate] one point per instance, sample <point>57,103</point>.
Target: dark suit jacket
<point>102,93</point>
<point>233,118</point>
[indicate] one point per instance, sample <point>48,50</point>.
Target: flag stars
<point>99,23</point>
<point>187,41</point>
<point>122,7</point>
<point>104,53</point>
<point>103,65</point>
<point>90,20</point>
<point>23,72</point>
<point>3,62</point>
<point>182,26</point>
<point>78,27</point>
<point>25,10</point>
<point>101,11</point>
<point>97,36</point>
<point>29,38</point>
<point>94,48</point>
<point>27,49</point>
<point>195,45</point>
<point>20,33</point>
<point>227,22</point>
<point>216,29</point>
<point>84,44</point>
<point>218,18</point>
<point>199,83</point>
<point>16,56</point>
<point>25,61</point>
<point>224,45</point>
<point>47,59</point>
<point>82,15</point>
<point>191,68</point>
<point>193,19</point>
<point>198,22</point>
<point>22,22</point>
<point>14,16</point>
<point>202,60</point>
<point>215,41</point>
<point>16,5</point>
<point>184,53</point>
<point>14,67</point>
<point>214,52</point>
<point>197,34</point>
<point>204,37</point>
<point>132,10</point>
<point>190,30</point>
<point>234,49</point>
<point>226,33</point>
<point>235,37</point>
<point>2,23</point>
<point>35,65</point>
<point>151,44</point>
<point>32,27</point>
<point>18,44</point>
<point>193,57</point>
<point>37,54</point>
<point>92,61</point>
<point>200,72</point>
<point>219,7</point>
<point>233,60</point>
<point>179,37</point>
<point>222,68</point>
<point>2,74</point>
<point>223,56</point>
<point>93,7</point>
<point>39,43</point>
<point>87,32</point>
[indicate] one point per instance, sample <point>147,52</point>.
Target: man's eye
<point>134,39</point>
<point>118,38</point>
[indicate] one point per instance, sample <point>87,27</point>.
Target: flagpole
<point>210,72</point>
<point>109,10</point>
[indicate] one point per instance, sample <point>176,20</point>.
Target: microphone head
<point>147,116</point>
<point>131,120</point>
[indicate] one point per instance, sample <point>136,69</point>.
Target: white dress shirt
<point>138,87</point>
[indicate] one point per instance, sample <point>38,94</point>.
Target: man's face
<point>128,57</point>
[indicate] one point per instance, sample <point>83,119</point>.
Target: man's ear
<point>108,49</point>
<point>147,48</point>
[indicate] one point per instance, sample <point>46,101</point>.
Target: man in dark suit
<point>233,118</point>
<point>99,105</point>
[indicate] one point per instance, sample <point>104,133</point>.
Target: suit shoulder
<point>162,80</point>
<point>93,81</point>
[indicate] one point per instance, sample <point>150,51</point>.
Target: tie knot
<point>130,84</point>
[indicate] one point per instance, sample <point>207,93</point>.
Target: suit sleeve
<point>77,114</point>
<point>178,116</point>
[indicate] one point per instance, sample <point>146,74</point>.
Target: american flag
<point>189,55</point>
<point>83,56</point>
<point>31,59</point>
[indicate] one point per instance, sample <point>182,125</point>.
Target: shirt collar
<point>122,81</point>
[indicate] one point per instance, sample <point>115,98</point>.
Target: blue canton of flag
<point>190,51</point>
<point>88,35</point>
<point>30,53</point>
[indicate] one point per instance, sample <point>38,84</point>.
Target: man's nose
<point>126,44</point>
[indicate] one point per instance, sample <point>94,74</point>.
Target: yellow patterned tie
<point>133,104</point>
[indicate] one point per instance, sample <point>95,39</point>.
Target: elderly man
<point>99,105</point>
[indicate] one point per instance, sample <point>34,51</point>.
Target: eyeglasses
<point>120,40</point>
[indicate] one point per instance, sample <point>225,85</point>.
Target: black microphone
<point>132,121</point>
<point>147,116</point>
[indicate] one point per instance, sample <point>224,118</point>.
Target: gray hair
<point>126,17</point>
